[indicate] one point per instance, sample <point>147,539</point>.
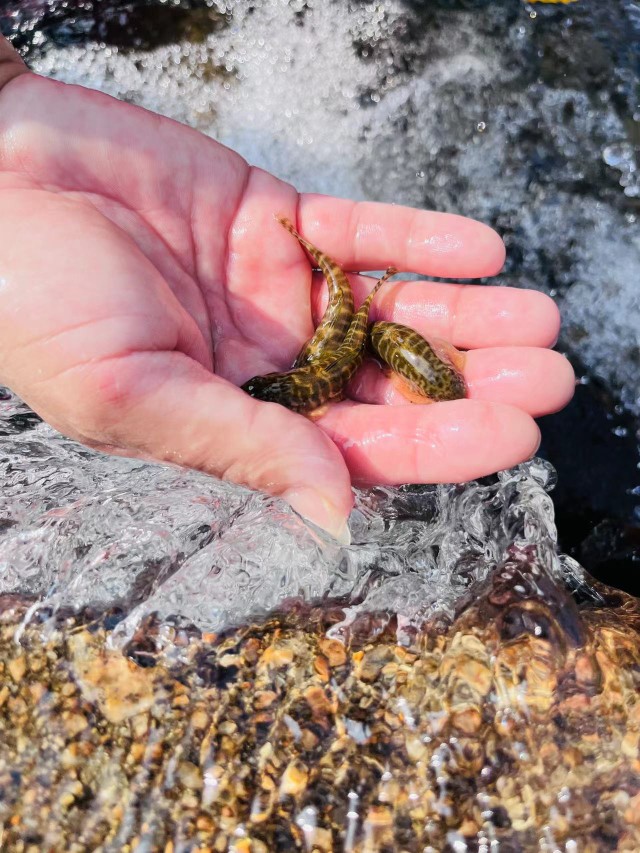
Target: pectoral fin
<point>318,413</point>
<point>448,353</point>
<point>408,391</point>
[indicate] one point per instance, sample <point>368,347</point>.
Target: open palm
<point>143,277</point>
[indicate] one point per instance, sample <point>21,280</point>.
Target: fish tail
<point>391,271</point>
<point>363,311</point>
<point>288,224</point>
<point>329,268</point>
<point>358,328</point>
<point>337,281</point>
<point>319,257</point>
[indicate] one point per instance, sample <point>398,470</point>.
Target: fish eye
<point>261,388</point>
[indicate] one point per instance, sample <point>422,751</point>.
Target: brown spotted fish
<point>328,361</point>
<point>335,323</point>
<point>422,371</point>
<point>324,379</point>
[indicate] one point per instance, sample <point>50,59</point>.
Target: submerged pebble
<point>507,727</point>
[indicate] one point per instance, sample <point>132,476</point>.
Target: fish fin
<point>403,387</point>
<point>389,273</point>
<point>448,353</point>
<point>287,223</point>
<point>316,414</point>
<point>302,358</point>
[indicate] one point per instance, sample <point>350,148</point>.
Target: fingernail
<point>321,512</point>
<point>537,444</point>
<point>343,535</point>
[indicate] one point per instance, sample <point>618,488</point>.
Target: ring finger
<point>538,381</point>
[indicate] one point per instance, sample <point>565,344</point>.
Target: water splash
<point>80,528</point>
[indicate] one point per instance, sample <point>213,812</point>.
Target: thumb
<point>11,65</point>
<point>166,405</point>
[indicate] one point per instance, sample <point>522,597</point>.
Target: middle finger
<point>468,315</point>
<point>538,381</point>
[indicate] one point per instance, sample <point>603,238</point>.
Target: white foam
<point>79,528</point>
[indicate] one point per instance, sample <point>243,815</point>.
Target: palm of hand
<point>159,260</point>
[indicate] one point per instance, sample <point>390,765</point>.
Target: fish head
<point>270,388</point>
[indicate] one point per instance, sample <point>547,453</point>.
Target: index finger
<point>370,236</point>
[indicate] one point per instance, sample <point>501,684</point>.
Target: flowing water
<point>188,666</point>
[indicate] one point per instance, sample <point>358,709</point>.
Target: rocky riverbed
<point>516,727</point>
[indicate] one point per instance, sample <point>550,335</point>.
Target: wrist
<point>11,64</point>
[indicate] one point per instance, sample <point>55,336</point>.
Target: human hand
<point>143,277</point>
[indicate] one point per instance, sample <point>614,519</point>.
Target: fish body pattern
<point>431,372</point>
<point>324,379</point>
<point>335,352</point>
<point>335,322</point>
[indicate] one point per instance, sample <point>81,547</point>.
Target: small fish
<point>335,323</point>
<point>310,386</point>
<point>422,371</point>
